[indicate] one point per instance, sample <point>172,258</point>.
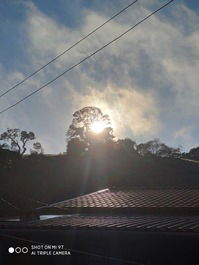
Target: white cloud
<point>128,109</point>
<point>146,81</point>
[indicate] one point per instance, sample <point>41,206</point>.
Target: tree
<point>4,146</point>
<point>156,148</point>
<point>81,127</point>
<point>127,145</point>
<point>193,153</point>
<point>37,148</point>
<point>75,147</point>
<point>17,139</point>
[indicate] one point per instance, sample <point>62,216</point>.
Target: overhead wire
<point>68,49</point>
<point>44,204</point>
<point>9,203</point>
<point>87,57</point>
<point>25,197</point>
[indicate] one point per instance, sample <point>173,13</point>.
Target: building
<point>112,227</point>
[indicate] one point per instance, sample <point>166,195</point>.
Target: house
<point>111,226</point>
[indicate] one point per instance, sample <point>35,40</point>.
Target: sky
<point>147,82</point>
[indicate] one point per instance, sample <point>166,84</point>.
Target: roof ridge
<point>83,195</point>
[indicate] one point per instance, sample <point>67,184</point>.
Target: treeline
<point>25,180</point>
<point>93,160</point>
<point>153,148</point>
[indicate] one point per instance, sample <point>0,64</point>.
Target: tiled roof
<point>134,199</point>
<point>122,223</point>
<point>170,210</point>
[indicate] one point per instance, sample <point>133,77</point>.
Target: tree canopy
<point>17,140</point>
<point>81,128</point>
<point>157,148</point>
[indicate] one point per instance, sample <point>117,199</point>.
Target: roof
<point>133,200</point>
<point>119,223</point>
<point>168,210</point>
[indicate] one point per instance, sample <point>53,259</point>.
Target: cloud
<point>128,109</point>
<point>184,132</point>
<point>147,81</point>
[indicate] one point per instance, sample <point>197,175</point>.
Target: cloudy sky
<point>147,81</point>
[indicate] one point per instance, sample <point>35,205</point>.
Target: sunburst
<point>97,126</point>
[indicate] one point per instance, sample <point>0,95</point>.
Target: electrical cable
<point>68,49</point>
<point>86,58</point>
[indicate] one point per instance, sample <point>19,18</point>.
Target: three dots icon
<point>18,250</point>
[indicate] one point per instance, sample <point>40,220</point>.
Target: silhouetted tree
<point>127,145</point>
<point>4,146</point>
<point>37,148</point>
<point>156,148</point>
<point>17,139</point>
<point>193,153</point>
<point>75,147</point>
<point>6,155</point>
<point>81,128</point>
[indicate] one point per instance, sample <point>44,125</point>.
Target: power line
<point>25,197</point>
<point>86,58</point>
<point>9,203</point>
<point>29,199</point>
<point>22,197</point>
<point>68,49</point>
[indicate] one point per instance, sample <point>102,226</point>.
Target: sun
<point>97,126</point>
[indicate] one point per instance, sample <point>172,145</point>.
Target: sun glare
<point>97,126</point>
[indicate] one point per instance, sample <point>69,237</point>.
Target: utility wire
<point>86,58</point>
<point>10,204</point>
<point>68,49</point>
<point>27,198</point>
<point>32,200</point>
